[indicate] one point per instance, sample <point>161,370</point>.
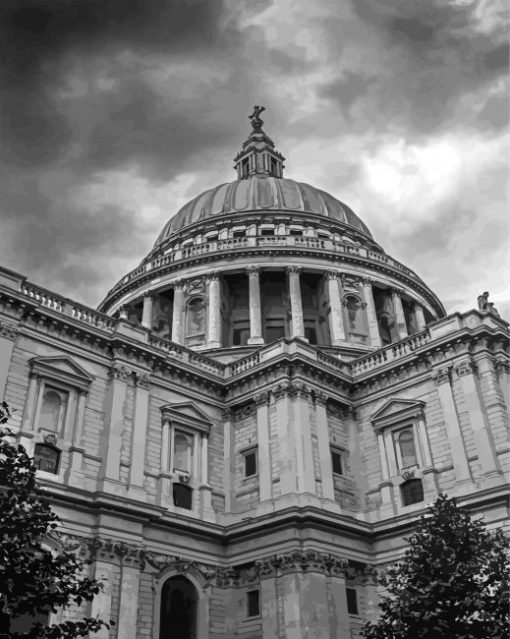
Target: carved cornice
<point>262,399</point>
<point>143,380</point>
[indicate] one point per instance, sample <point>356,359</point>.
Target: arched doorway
<point>178,617</point>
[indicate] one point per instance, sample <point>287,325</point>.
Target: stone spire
<point>258,155</point>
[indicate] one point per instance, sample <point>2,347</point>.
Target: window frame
<point>253,450</point>
<point>352,589</point>
<point>336,450</point>
<point>249,614</point>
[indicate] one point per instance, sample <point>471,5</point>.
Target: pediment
<point>396,410</point>
<point>62,369</point>
<point>187,414</point>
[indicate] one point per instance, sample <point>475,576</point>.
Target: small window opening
<point>253,603</point>
<point>46,458</point>
<point>336,462</point>
<point>352,601</point>
<point>311,334</point>
<point>297,232</point>
<point>267,232</point>
<point>250,464</point>
<point>241,233</point>
<point>183,496</point>
<point>411,491</point>
<point>245,168</point>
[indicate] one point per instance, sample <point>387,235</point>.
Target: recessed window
<point>253,603</point>
<point>311,334</point>
<point>241,233</point>
<point>352,601</point>
<point>183,452</point>
<point>46,458</point>
<point>183,496</point>
<point>53,410</point>
<point>405,448</point>
<point>245,168</point>
<point>274,333</point>
<point>297,232</point>
<point>336,462</point>
<point>267,232</point>
<point>250,463</point>
<point>240,336</point>
<point>411,491</point>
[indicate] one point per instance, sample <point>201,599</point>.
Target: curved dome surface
<point>261,193</point>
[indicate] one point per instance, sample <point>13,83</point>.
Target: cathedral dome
<point>261,193</point>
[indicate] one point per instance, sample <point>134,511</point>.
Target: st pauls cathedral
<point>243,433</point>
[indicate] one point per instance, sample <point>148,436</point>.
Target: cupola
<point>258,156</point>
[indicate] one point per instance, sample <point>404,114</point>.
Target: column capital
<point>441,376</point>
<point>143,380</point>
<point>466,368</point>
<point>262,399</point>
<point>366,281</point>
<point>213,276</point>
<point>179,284</point>
<point>396,291</point>
<point>294,270</point>
<point>8,331</point>
<point>253,271</point>
<point>148,295</point>
<point>332,275</point>
<point>227,414</point>
<point>117,371</point>
<point>321,398</point>
<point>123,313</point>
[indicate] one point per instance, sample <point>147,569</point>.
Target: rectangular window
<point>311,334</point>
<point>239,233</point>
<point>352,601</point>
<point>250,463</point>
<point>274,333</point>
<point>46,458</point>
<point>253,603</point>
<point>336,462</point>
<point>183,496</point>
<point>267,232</point>
<point>296,232</point>
<point>240,336</point>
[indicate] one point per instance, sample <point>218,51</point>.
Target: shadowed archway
<point>178,616</point>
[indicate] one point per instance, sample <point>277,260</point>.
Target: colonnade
<point>335,291</point>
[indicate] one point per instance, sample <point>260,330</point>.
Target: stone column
<point>268,597</point>
<point>452,426</point>
<point>148,303</point>
<point>328,490</point>
<point>214,314</point>
<point>114,425</point>
<point>8,335</point>
<point>487,457</point>
<point>263,451</point>
<point>336,318</point>
<point>386,486</point>
<point>138,437</point>
<point>255,307</point>
<point>229,460</point>
<point>178,312</point>
<point>128,604</point>
<point>372,598</point>
<point>340,626</point>
<point>419,317</point>
<point>373,327</point>
<point>296,304</point>
<point>400,319</point>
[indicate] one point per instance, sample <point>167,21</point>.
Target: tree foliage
<point>452,581</point>
<point>34,576</point>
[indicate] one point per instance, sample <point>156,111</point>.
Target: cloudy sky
<point>116,112</point>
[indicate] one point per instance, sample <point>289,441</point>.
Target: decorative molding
<point>262,399</point>
<point>441,376</point>
<point>253,271</point>
<point>8,331</point>
<point>117,371</point>
<point>466,368</point>
<point>143,380</point>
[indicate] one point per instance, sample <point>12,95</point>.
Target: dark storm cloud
<point>45,43</point>
<point>432,55</point>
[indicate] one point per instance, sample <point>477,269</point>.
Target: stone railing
<point>390,353</point>
<point>66,307</point>
<point>243,364</point>
<point>276,241</point>
<point>186,355</point>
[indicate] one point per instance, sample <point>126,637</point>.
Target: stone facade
<point>263,482</point>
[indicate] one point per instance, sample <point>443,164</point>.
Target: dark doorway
<point>178,609</point>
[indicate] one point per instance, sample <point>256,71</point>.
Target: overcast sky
<point>116,112</point>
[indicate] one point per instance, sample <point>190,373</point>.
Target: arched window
<point>195,317</point>
<point>411,492</point>
<point>407,448</point>
<point>53,409</point>
<point>183,452</point>
<point>178,615</point>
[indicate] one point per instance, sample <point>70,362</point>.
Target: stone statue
<point>485,306</point>
<point>256,122</point>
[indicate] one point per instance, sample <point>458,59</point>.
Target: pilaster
<point>138,438</point>
<point>328,490</point>
<point>101,605</point>
<point>229,460</point>
<point>419,316</point>
<point>8,335</point>
<point>128,604</point>
<point>452,426</point>
<point>264,452</point>
<point>74,475</point>
<point>487,457</point>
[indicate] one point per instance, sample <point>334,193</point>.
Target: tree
<point>34,577</point>
<point>451,582</point>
